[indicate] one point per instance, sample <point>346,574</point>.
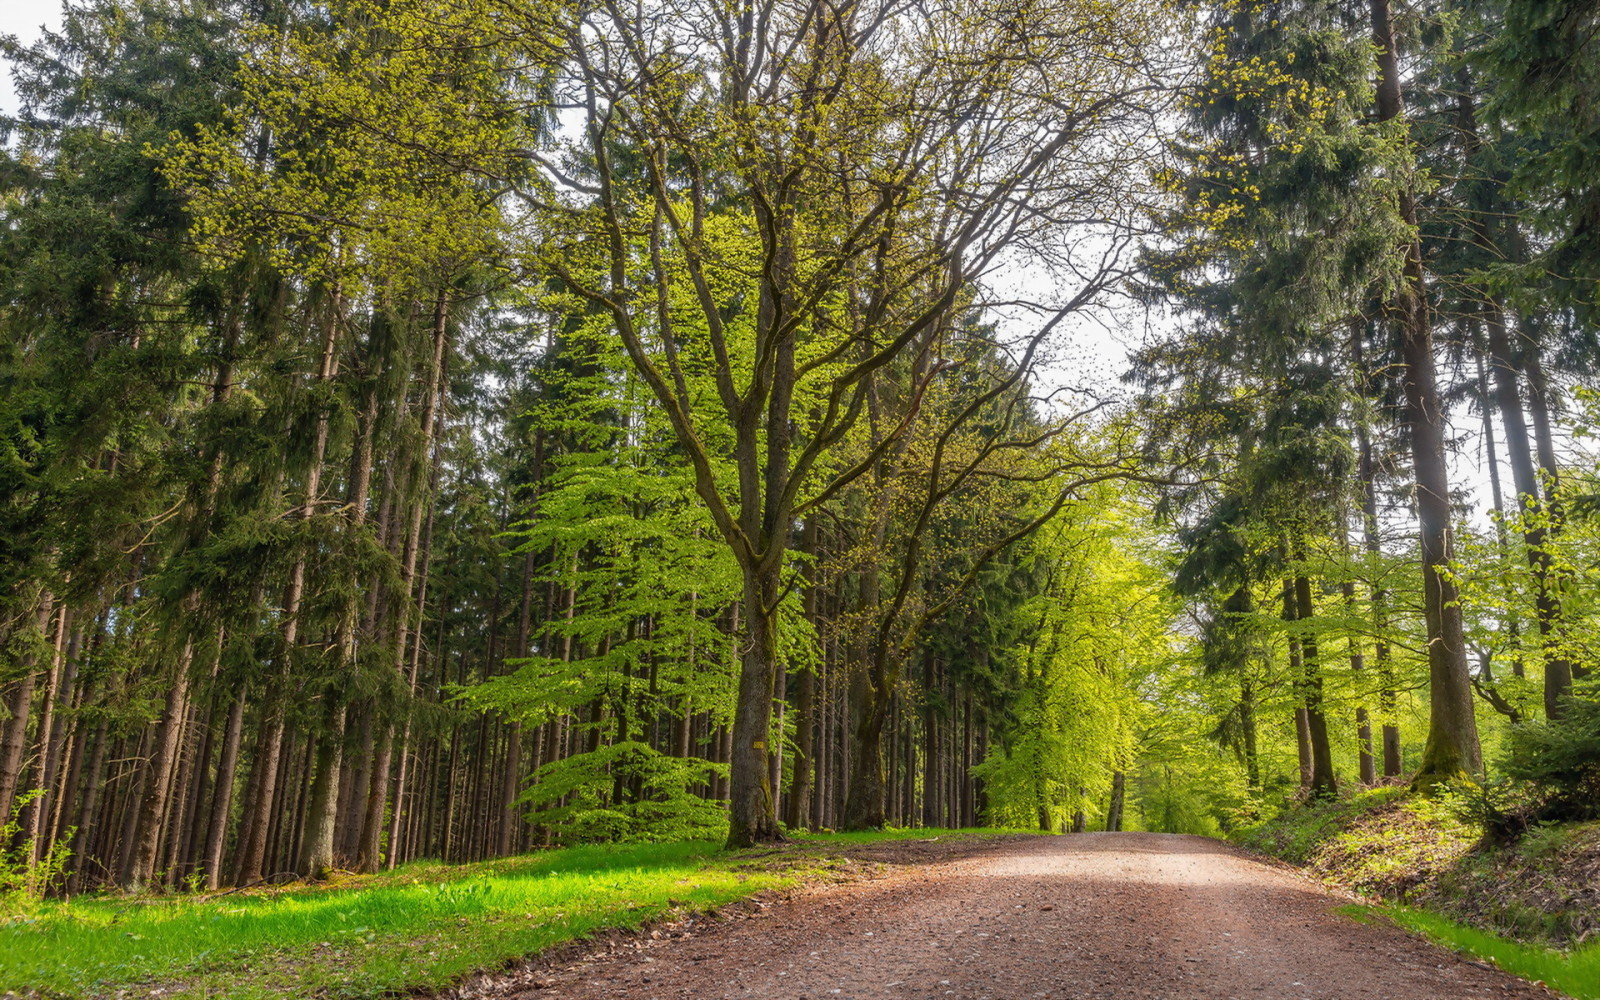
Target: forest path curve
<point>1120,916</point>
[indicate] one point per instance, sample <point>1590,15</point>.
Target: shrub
<point>1558,763</point>
<point>25,879</point>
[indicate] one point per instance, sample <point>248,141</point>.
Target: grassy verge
<point>1532,907</point>
<point>424,925</point>
<point>1382,842</point>
<point>1575,973</point>
<point>421,927</point>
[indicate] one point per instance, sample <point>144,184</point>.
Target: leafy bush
<point>25,879</point>
<point>1557,764</point>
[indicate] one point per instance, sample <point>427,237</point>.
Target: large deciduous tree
<point>775,202</point>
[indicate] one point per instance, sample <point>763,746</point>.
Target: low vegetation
<point>407,929</point>
<point>1575,973</point>
<point>423,926</point>
<point>1531,906</point>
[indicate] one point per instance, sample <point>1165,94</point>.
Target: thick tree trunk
<point>870,687</point>
<point>752,818</point>
<point>316,841</point>
<point>1452,748</point>
<point>1118,795</point>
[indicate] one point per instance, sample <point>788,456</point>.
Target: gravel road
<point>1127,916</point>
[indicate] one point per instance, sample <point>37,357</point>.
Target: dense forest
<point>446,428</point>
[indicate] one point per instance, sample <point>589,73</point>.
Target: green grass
<point>425,926</point>
<point>1575,973</point>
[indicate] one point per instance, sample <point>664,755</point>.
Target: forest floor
<point>1129,916</point>
<point>1532,905</point>
<point>1389,846</point>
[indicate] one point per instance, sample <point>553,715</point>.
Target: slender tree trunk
<point>19,707</point>
<point>139,865</point>
<point>72,753</point>
<point>1248,728</point>
<point>254,857</point>
<point>1365,763</point>
<point>49,737</point>
<point>89,808</point>
<point>369,858</point>
<point>1297,671</point>
<point>222,799</point>
<point>1553,511</point>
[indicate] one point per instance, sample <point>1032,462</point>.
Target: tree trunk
<point>1452,748</point>
<point>751,816</point>
<point>57,685</point>
<point>1553,511</point>
<point>260,791</point>
<point>1118,794</point>
<point>1247,722</point>
<point>1324,783</point>
<point>19,707</point>
<point>316,842</point>
<point>139,863</point>
<point>222,799</point>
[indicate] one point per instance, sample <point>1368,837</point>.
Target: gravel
<point>1124,916</point>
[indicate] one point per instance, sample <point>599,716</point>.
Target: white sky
<point>23,18</point>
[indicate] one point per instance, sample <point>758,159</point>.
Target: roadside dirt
<point>1104,916</point>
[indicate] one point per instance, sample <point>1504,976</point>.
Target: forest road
<point>1120,916</point>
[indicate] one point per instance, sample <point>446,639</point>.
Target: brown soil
<point>1125,916</point>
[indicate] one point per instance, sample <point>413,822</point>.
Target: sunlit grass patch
<point>1575,973</point>
<point>421,926</point>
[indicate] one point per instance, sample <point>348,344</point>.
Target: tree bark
<point>139,863</point>
<point>1452,748</point>
<point>1118,794</point>
<point>1324,782</point>
<point>19,707</point>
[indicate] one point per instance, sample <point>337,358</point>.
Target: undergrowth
<point>1543,889</point>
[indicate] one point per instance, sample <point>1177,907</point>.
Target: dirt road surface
<point>1126,916</point>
